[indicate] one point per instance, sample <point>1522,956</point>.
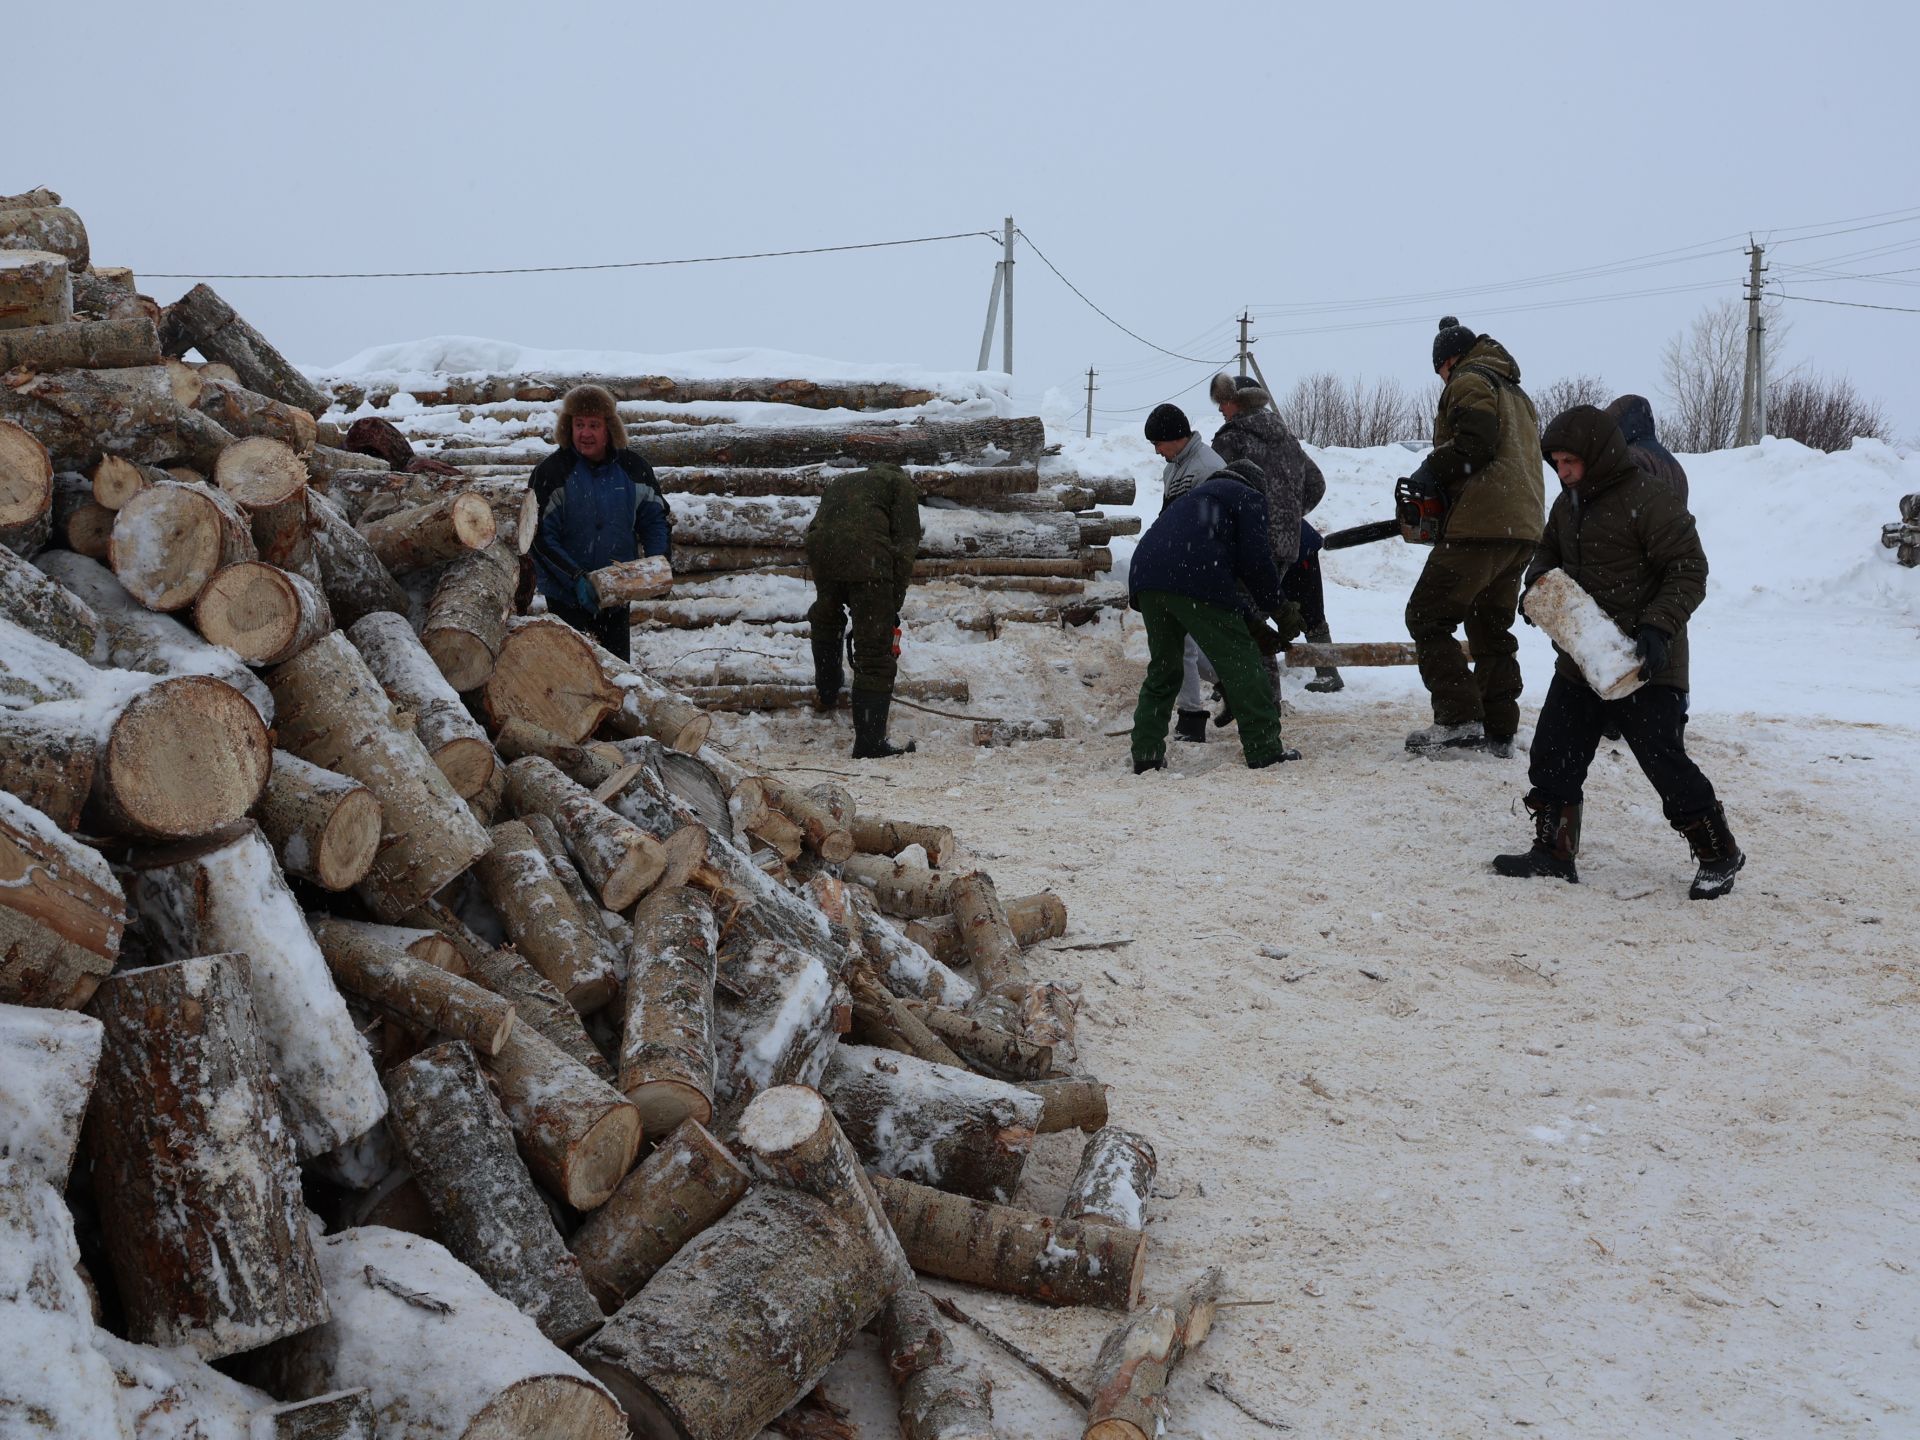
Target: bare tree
<point>1827,414</point>
<point>1567,392</point>
<point>1322,409</point>
<point>1704,367</point>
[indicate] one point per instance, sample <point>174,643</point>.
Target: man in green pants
<point>1205,570</point>
<point>860,548</point>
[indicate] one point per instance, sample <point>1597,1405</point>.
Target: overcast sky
<point>1177,163</point>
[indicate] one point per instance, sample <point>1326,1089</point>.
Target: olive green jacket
<point>867,528</point>
<point>1486,454</point>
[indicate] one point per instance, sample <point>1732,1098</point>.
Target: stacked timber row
<point>610,1066</point>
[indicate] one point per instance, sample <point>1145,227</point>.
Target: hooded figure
<point>1634,416</point>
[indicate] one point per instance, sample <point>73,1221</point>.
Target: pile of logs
<point>423,1018</point>
<point>1902,536</point>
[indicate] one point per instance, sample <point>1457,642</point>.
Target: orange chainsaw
<point>1420,509</point>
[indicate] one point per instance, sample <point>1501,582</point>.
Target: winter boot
<point>1192,726</point>
<point>1326,679</point>
<point>1141,767</point>
<point>1556,840</point>
<point>870,727</point>
<point>1498,746</point>
<point>1713,847</point>
<point>1470,736</point>
<point>828,673</point>
<point>1280,759</point>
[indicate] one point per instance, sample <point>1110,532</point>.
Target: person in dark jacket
<point>1634,416</point>
<point>1198,572</point>
<point>1189,460</point>
<point>860,547</point>
<point>1624,537</point>
<point>598,504</point>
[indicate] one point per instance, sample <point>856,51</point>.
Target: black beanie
<point>1453,341</point>
<point>1168,422</point>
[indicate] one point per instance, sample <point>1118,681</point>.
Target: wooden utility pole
<point>1753,390</point>
<point>993,307</point>
<point>1091,372</point>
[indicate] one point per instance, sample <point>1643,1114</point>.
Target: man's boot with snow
<point>1556,841</point>
<point>1470,736</point>
<point>1718,857</point>
<point>1326,679</point>
<point>1191,726</point>
<point>870,709</point>
<point>828,673</point>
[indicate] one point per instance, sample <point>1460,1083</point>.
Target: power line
<point>1852,304</point>
<point>1103,314</point>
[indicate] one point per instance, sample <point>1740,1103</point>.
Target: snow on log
<point>366,962</point>
<point>45,227</point>
<point>564,870</point>
<point>201,320</point>
<point>80,415</point>
<point>1078,1102</point>
<point>577,1133</point>
<point>908,890</point>
<point>467,614</point>
<point>544,388</point>
<point>1037,917</point>
<point>413,682</point>
<point>874,836</point>
<point>948,1128</point>
<point>249,414</point>
<point>30,598</point>
<point>269,483</point>
<point>339,1415</point>
<point>1580,629</point>
<point>1017,1252</point>
<point>81,345</point>
<point>647,578</point>
<point>36,288</point>
<point>264,614</point>
<point>940,1399</point>
<point>47,1064</point>
<point>925,442</point>
<point>193,1171</point>
<point>1129,1390</point>
<point>904,965</point>
<point>742,1322</point>
<point>1114,1180</point>
<point>780,522</point>
<point>444,1357</point>
<point>324,827</point>
<point>49,763</point>
<point>543,921</point>
<point>988,1048</point>
<point>170,540</point>
<point>688,1182</point>
<point>428,536</point>
<point>618,859</point>
<point>484,1204</point>
<point>356,582</point>
<point>62,912</point>
<point>333,712</point>
<point>546,673</point>
<point>666,1047</point>
<point>969,483</point>
<point>646,707</point>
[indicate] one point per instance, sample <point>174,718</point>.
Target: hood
<point>1634,416</point>
<point>1247,472</point>
<point>1591,434</point>
<point>1489,354</point>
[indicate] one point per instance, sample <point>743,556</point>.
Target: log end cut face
<point>462,656</point>
<point>781,1120</point>
<point>549,1407</point>
<point>26,476</point>
<point>546,675</point>
<point>166,543</point>
<point>252,609</point>
<point>260,472</point>
<point>602,1156</point>
<point>468,763</point>
<point>188,757</point>
<point>349,842</point>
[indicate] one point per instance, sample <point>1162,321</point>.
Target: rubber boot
<point>1326,679</point>
<point>1191,726</point>
<point>1470,736</point>
<point>1556,841</point>
<point>870,709</point>
<point>828,673</point>
<point>1713,847</point>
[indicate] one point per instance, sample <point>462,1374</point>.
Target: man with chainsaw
<point>1479,498</point>
<point>860,548</point>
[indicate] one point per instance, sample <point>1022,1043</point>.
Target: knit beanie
<point>1168,422</point>
<point>1453,341</point>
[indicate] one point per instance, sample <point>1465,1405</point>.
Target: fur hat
<point>1453,341</point>
<point>1168,422</point>
<point>1242,390</point>
<point>590,400</point>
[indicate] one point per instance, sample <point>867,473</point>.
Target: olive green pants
<point>1476,584</point>
<point>1223,638</point>
<point>875,612</point>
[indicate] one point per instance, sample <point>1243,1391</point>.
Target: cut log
<point>1017,1252</point>
<point>246,413</point>
<point>828,836</point>
<point>269,482</point>
<point>79,344</point>
<point>201,320</point>
<point>988,1048</point>
<point>36,288</point>
<point>230,896</point>
<point>47,1064</point>
<point>1076,1103</point>
<point>911,891</point>
<point>1016,732</point>
<point>416,687</point>
<point>646,707</point>
<point>62,912</point>
<point>324,827</point>
<point>545,388</point>
<point>903,966</point>
<point>75,521</point>
<point>193,1171</point>
<point>79,415</point>
<point>485,1206</point>
<point>333,712</point>
<point>948,482</point>
<point>444,1357</point>
<point>568,947</point>
<point>883,1020</point>
<point>432,535</point>
<point>780,523</point>
<point>1585,633</point>
<point>619,860</point>
<point>940,1399</point>
<point>742,1322</point>
<point>957,1131</point>
<point>355,581</point>
<point>587,765</point>
<point>170,540</point>
<point>645,579</point>
<point>116,481</point>
<point>1114,1180</point>
<point>467,616</point>
<point>577,1133</point>
<point>1037,917</point>
<point>745,698</point>
<point>874,836</point>
<point>420,995</point>
<point>555,849</point>
<point>263,614</point>
<point>927,442</point>
<point>49,763</point>
<point>340,1415</point>
<point>666,1050</point>
<point>546,673</point>
<point>31,599</point>
<point>110,292</point>
<point>46,227</point>
<point>1129,1393</point>
<point>688,1182</point>
<point>986,938</point>
<point>26,482</point>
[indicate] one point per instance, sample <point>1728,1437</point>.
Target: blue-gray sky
<point>1176,163</point>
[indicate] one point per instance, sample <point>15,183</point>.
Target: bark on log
<point>38,603</point>
<point>1042,916</point>
<point>75,521</point>
<point>170,540</point>
<point>772,523</point>
<point>945,1127</point>
<point>940,1399</point>
<point>619,860</point>
<point>80,415</point>
<point>110,292</point>
<point>1303,655</point>
<point>36,289</point>
<point>988,1048</point>
<point>827,836</point>
<point>201,320</point>
<point>666,1049</point>
<point>246,413</point>
<point>566,946</point>
<point>902,965</point>
<point>1129,1391</point>
<point>484,1204</point>
<point>1115,1178</point>
<point>1017,1252</point>
<point>467,615</point>
<point>62,912</point>
<point>264,614</point>
<point>646,707</point>
<point>912,891</point>
<point>797,696</point>
<point>339,1415</point>
<point>48,763</point>
<point>1076,1103</point>
<point>688,1182</point>
<point>416,687</point>
<point>546,674</point>
<point>645,579</point>
<point>357,584</point>
<point>324,827</point>
<point>741,1323</point>
<point>985,935</point>
<point>269,483</point>
<point>48,227</point>
<point>577,1133</point>
<point>193,1171</point>
<point>588,765</point>
<point>26,483</point>
<point>47,1064</point>
<point>427,536</point>
<point>421,995</point>
<point>874,836</point>
<point>81,345</point>
<point>882,1019</point>
<point>973,484</point>
<point>333,712</point>
<point>926,442</point>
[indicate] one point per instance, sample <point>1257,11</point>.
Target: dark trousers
<point>1224,639</point>
<point>612,628</point>
<point>1477,584</point>
<point>1302,585</point>
<point>1652,721</point>
<point>874,608</point>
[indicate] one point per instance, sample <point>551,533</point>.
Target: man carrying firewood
<point>860,548</point>
<point>599,504</point>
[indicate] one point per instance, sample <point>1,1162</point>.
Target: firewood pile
<point>406,1005</point>
<point>1902,536</point>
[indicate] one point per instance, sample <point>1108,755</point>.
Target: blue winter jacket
<point>594,515</point>
<point>1207,544</point>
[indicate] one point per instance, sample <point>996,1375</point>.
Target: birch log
<point>618,859</point>
<point>568,947</point>
<point>249,414</point>
<point>667,1046</point>
<point>170,540</point>
<point>365,962</point>
<point>1129,1391</point>
<point>80,415</point>
<point>62,912</point>
<point>427,536</point>
<point>1037,917</point>
<point>1078,1102</point>
<point>1114,1180</point>
<point>82,345</point>
<point>645,579</point>
<point>415,685</point>
<point>324,827</point>
<point>940,1399</point>
<point>36,288</point>
<point>201,320</point>
<point>546,673</point>
<point>262,613</point>
<point>47,1063</point>
<point>268,480</point>
<point>467,615</point>
<point>356,582</point>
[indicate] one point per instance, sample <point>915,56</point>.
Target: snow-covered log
<point>1130,1376</point>
<point>262,613</point>
<point>940,1399</point>
<point>248,414</point>
<point>1576,624</point>
<point>49,226</point>
<point>366,962</point>
<point>30,598</point>
<point>618,859</point>
<point>646,707</point>
<point>201,320</point>
<point>427,536</point>
<point>968,483</point>
<point>577,1133</point>
<point>780,522</point>
<point>903,965</point>
<point>171,539</point>
<point>414,683</point>
<point>36,289</point>
<point>986,937</point>
<point>80,415</point>
<point>467,614</point>
<point>62,911</point>
<point>1037,917</point>
<point>666,1047</point>
<point>356,582</point>
<point>1114,1180</point>
<point>988,1048</point>
<point>543,920</point>
<point>665,389</point>
<point>875,836</point>
<point>647,578</point>
<point>49,763</point>
<point>926,442</point>
<point>339,1415</point>
<point>324,827</point>
<point>47,1064</point>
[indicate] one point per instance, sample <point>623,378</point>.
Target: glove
<point>1652,646</point>
<point>1265,638</point>
<point>1291,622</point>
<point>583,594</point>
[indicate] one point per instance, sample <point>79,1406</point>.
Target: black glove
<point>1265,637</point>
<point>1291,622</point>
<point>1652,645</point>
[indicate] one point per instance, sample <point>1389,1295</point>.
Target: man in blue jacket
<point>599,503</point>
<point>1205,570</point>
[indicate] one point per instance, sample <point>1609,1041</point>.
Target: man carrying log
<point>860,548</point>
<point>599,504</point>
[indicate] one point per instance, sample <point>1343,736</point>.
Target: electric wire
<point>1101,313</point>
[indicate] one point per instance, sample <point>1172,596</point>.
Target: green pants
<point>1477,584</point>
<point>1223,638</point>
<point>875,610</point>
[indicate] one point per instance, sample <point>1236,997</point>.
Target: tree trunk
<point>546,673</point>
<point>646,707</point>
<point>201,320</point>
<point>81,344</point>
<point>422,996</point>
<point>1042,916</point>
<point>170,540</point>
<point>951,483</point>
<point>1078,1102</point>
<point>797,696</point>
<point>339,1415</point>
<point>194,1174</point>
<point>926,442</point>
<point>484,1204</point>
<point>467,616</point>
<point>47,1064</point>
<point>948,1128</point>
<point>1017,1252</point>
<point>36,289</point>
<point>116,481</point>
<point>619,860</point>
<point>630,580</point>
<point>333,712</point>
<point>985,935</point>
<point>567,947</point>
<point>874,836</point>
<point>48,763</point>
<point>356,583</point>
<point>561,863</point>
<point>432,535</point>
<point>1114,1181</point>
<point>416,687</point>
<point>62,909</point>
<point>32,600</point>
<point>688,1182</point>
<point>577,1133</point>
<point>269,483</point>
<point>324,827</point>
<point>988,1048</point>
<point>903,966</point>
<point>48,227</point>
<point>911,891</point>
<point>245,412</point>
<point>79,415</point>
<point>1130,1376</point>
<point>666,1051</point>
<point>263,614</point>
<point>741,1323</point>
<point>940,1399</point>
<point>26,482</point>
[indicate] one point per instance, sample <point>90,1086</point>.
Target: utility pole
<point>1245,352</point>
<point>1006,315</point>
<point>1091,372</point>
<point>993,306</point>
<point>1753,388</point>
